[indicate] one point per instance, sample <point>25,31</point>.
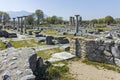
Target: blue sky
<point>88,9</point>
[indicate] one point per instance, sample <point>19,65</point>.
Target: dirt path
<point>81,71</point>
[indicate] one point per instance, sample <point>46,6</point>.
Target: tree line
<point>38,18</point>
<point>106,20</point>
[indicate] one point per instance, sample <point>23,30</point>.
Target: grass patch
<point>25,43</point>
<point>50,32</point>
<point>2,46</point>
<point>54,33</point>
<point>45,54</point>
<point>106,66</point>
<point>100,25</point>
<point>61,62</point>
<point>99,29</point>
<point>58,73</point>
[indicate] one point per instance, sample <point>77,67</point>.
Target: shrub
<point>2,45</point>
<point>100,29</point>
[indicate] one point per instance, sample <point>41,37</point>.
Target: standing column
<point>18,23</point>
<point>21,26</point>
<point>3,21</point>
<point>13,23</point>
<point>77,24</point>
<point>73,21</point>
<point>25,24</point>
<point>70,21</point>
<point>80,20</point>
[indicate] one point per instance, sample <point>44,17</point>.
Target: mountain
<point>14,14</point>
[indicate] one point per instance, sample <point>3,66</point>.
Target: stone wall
<point>105,51</point>
<point>76,47</point>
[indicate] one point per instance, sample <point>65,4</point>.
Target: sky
<point>88,9</point>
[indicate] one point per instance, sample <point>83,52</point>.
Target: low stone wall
<point>105,51</point>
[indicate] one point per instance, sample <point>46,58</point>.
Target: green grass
<point>100,29</point>
<point>99,25</point>
<point>2,46</point>
<point>25,43</point>
<point>106,66</point>
<point>54,33</point>
<point>50,32</point>
<point>45,54</point>
<point>58,73</point>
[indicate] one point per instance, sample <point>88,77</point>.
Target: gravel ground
<point>81,71</point>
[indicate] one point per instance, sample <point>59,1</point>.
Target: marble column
<point>13,23</point>
<point>21,25</point>
<point>80,20</point>
<point>73,21</point>
<point>70,21</point>
<point>25,24</point>
<point>18,28</point>
<point>77,23</point>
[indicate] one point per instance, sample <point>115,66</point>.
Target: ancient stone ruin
<point>104,51</point>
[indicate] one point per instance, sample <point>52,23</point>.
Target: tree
<point>59,20</point>
<point>101,21</point>
<point>39,15</point>
<point>6,17</point>
<point>117,20</point>
<point>53,19</point>
<point>48,20</point>
<point>30,19</point>
<point>94,21</point>
<point>109,20</point>
<point>1,16</point>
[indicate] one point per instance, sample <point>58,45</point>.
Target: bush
<point>100,30</point>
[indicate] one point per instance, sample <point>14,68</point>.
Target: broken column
<point>77,48</point>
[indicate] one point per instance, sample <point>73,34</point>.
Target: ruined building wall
<point>98,50</point>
